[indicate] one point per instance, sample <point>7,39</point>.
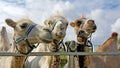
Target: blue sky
<point>106,14</point>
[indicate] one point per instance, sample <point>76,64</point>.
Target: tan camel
<point>26,33</point>
<point>58,24</point>
<point>84,27</point>
<point>110,45</point>
<point>4,41</point>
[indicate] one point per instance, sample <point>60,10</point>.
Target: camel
<point>110,45</point>
<point>26,33</point>
<point>4,41</point>
<point>58,24</point>
<point>83,27</point>
<point>71,46</point>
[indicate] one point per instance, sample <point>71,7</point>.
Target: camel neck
<point>18,61</point>
<point>55,60</point>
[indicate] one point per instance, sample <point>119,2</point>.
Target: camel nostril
<point>81,31</point>
<point>94,27</point>
<point>60,33</point>
<point>93,21</point>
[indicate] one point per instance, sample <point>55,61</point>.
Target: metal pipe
<point>61,53</point>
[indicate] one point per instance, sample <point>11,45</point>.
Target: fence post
<point>71,63</point>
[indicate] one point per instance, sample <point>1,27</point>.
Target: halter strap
<point>29,29</point>
<point>56,23</point>
<point>18,40</point>
<point>56,44</point>
<point>29,46</point>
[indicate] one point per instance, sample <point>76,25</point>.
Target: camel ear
<point>67,43</point>
<point>47,22</point>
<point>10,22</point>
<point>72,24</point>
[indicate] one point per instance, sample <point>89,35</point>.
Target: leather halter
<point>56,23</point>
<point>56,44</point>
<point>25,39</point>
<point>88,40</point>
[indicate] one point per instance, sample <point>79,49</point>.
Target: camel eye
<point>24,25</point>
<point>79,23</point>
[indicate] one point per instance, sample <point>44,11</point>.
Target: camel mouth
<point>46,40</point>
<point>93,31</point>
<point>60,36</point>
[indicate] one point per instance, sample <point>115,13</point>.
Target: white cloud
<point>104,12</point>
<point>12,11</point>
<point>43,9</point>
<point>116,26</point>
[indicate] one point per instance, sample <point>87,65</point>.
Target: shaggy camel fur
<point>110,45</point>
<point>83,28</point>
<point>58,24</point>
<point>24,29</point>
<point>4,40</point>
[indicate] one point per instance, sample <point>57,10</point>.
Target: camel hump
<point>3,28</point>
<point>3,31</point>
<point>114,34</point>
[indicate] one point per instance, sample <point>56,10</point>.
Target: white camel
<point>26,33</point>
<point>58,24</point>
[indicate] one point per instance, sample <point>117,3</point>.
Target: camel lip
<point>59,36</point>
<point>46,40</point>
<point>93,31</point>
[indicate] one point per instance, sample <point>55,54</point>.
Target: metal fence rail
<point>71,54</point>
<point>60,53</point>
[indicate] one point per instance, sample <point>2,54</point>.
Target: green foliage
<point>119,41</point>
<point>63,61</point>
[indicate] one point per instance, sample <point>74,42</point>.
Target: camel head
<point>110,45</point>
<point>26,29</point>
<point>84,27</point>
<point>71,45</point>
<point>58,24</point>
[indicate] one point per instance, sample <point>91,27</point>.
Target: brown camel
<point>110,45</point>
<point>4,41</point>
<point>26,33</point>
<point>84,27</point>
